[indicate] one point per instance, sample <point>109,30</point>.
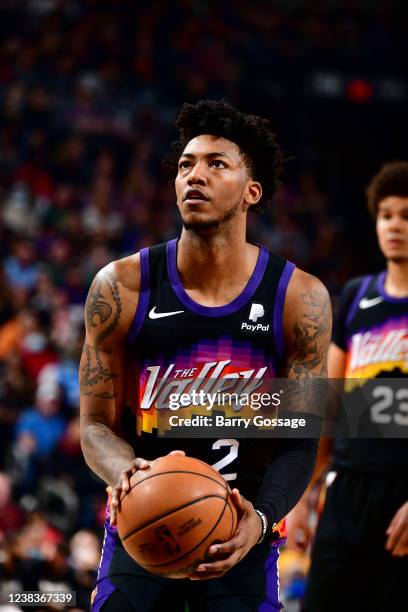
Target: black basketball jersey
<point>372,328</point>
<point>175,339</point>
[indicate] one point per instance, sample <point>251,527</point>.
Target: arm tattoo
<point>307,365</point>
<point>106,453</point>
<point>96,307</point>
<point>97,312</point>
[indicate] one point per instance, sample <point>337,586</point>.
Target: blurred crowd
<point>88,96</point>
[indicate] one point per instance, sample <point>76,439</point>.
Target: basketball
<point>173,512</point>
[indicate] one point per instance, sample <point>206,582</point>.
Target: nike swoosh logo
<point>159,315</point>
<point>366,303</point>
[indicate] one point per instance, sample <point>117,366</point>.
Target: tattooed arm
<point>109,310</point>
<point>307,330</point>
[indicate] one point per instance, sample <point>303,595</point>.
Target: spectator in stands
<point>22,268</point>
<point>38,431</point>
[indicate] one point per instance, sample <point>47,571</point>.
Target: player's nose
<point>394,224</point>
<point>197,175</point>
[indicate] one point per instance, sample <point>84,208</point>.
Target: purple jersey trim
<point>360,293</point>
<point>214,311</point>
<point>143,296</point>
<point>385,295</point>
<point>271,603</point>
<point>103,587</point>
<point>278,309</point>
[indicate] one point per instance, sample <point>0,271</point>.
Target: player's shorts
<point>351,570</point>
<point>252,585</point>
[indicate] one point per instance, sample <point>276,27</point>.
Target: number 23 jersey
<point>372,328</point>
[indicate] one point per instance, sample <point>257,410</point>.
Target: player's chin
<point>199,222</point>
<point>396,255</point>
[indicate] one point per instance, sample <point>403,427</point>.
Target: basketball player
<point>360,554</point>
<point>179,307</point>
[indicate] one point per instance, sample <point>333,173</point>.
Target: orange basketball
<point>173,512</point>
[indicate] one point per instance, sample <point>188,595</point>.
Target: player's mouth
<point>195,196</point>
<point>394,243</point>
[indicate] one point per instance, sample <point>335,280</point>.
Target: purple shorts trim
<point>272,602</point>
<point>103,586</point>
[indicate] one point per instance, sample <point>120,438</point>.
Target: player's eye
<point>218,163</point>
<point>184,164</point>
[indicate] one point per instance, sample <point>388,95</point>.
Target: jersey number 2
<point>229,458</point>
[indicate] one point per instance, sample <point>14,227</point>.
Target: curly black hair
<point>251,133</point>
<point>391,180</point>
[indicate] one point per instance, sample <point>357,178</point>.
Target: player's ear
<point>253,194</point>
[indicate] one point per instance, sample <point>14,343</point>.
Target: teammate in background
<point>360,553</point>
<point>179,307</point>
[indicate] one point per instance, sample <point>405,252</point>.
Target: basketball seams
<point>225,487</point>
<point>233,527</point>
<point>216,524</point>
<point>199,543</point>
<point>162,516</point>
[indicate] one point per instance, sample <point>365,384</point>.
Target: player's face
<point>392,228</point>
<point>212,183</point>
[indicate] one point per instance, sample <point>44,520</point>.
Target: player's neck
<point>206,261</point>
<point>396,279</point>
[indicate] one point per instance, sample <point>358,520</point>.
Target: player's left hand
<point>228,554</point>
<point>397,532</point>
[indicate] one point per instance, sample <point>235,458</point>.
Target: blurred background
<point>89,91</point>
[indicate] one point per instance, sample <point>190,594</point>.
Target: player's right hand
<point>123,484</point>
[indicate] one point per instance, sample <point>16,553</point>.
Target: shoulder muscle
<point>112,300</point>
